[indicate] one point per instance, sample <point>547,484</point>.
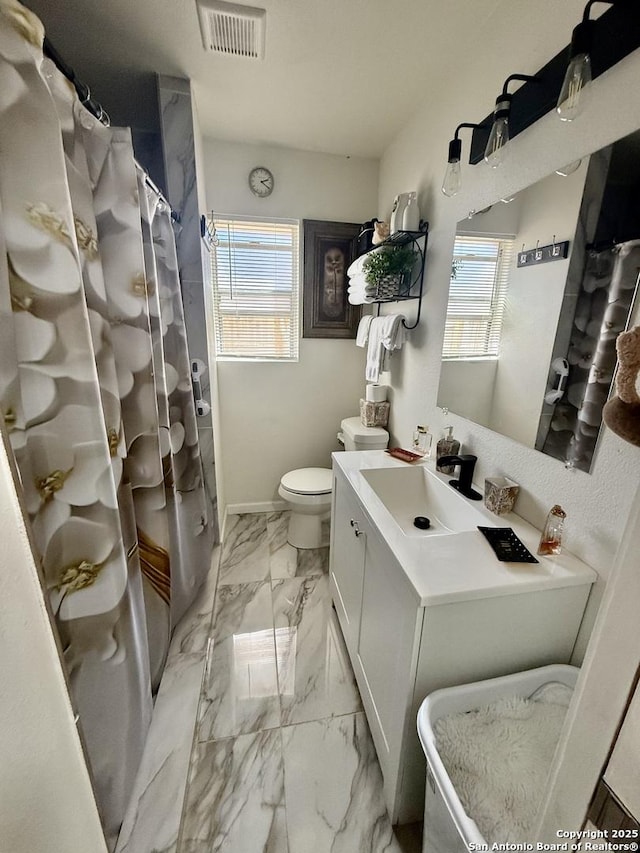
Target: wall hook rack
<point>543,254</point>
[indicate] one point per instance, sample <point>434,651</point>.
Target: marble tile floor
<point>282,761</point>
<point>152,820</point>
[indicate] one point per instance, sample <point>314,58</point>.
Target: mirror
<point>530,349</point>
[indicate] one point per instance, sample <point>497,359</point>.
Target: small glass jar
<point>551,539</point>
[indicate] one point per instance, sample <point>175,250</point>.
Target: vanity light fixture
<point>499,135</point>
<point>578,73</point>
<point>615,35</point>
<point>452,176</point>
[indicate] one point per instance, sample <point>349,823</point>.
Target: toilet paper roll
<point>375,393</point>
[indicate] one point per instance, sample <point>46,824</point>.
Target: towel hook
<point>538,251</point>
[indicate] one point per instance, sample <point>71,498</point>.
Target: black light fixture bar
<point>616,35</point>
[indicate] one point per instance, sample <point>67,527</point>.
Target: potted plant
<point>387,271</point>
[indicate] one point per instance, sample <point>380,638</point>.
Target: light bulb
<point>453,176</point>
<point>452,179</point>
<point>578,75</point>
<point>498,138</point>
<point>572,95</point>
<point>569,169</point>
<point>499,135</point>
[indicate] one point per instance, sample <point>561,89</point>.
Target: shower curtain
<point>606,297</point>
<point>95,394</point>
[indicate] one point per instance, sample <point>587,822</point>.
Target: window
<point>479,279</point>
<point>255,273</point>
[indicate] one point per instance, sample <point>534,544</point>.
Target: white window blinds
<point>255,273</point>
<point>477,293</point>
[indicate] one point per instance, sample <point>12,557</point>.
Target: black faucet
<point>464,485</point>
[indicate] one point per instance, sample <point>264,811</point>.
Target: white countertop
<point>458,566</point>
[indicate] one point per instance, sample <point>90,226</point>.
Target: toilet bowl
<point>308,494</point>
<point>308,490</point>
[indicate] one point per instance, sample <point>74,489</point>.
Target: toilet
<point>308,490</point>
<point>355,436</point>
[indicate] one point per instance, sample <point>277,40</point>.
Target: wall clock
<point>261,182</point>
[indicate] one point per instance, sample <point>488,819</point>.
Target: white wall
<point>46,800</point>
<point>276,417</point>
<point>520,37</point>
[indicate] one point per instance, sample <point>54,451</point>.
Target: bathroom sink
<point>410,492</point>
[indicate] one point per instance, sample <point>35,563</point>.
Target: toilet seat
<point>307,492</point>
<point>308,481</point>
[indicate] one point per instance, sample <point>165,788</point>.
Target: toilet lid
<point>308,481</point>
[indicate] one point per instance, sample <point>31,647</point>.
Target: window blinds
<point>477,293</point>
<point>255,273</point>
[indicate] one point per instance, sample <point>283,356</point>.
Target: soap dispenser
<point>447,446</point>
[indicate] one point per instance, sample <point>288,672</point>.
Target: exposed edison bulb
<point>452,179</point>
<point>498,138</point>
<point>572,94</point>
<point>569,169</point>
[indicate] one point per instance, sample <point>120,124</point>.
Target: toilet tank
<point>355,436</point>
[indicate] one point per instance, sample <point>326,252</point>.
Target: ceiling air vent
<point>232,29</point>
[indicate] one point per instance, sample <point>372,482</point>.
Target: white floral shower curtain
<point>606,296</point>
<point>95,393</point>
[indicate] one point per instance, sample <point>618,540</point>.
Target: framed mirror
<point>529,348</point>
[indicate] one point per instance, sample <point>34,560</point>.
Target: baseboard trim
<point>262,506</point>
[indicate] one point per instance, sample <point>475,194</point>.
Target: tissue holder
<point>500,494</point>
<point>374,414</point>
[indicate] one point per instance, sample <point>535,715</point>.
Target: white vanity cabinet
<point>348,536</point>
<point>402,645</point>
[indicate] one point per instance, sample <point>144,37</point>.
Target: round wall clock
<point>261,182</point>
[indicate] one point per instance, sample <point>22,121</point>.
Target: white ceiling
<point>340,76</point>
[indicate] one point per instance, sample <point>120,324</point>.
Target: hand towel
<point>362,335</point>
<point>394,333</point>
<point>375,350</point>
<point>386,334</point>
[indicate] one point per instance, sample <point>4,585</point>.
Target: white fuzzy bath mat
<point>498,758</point>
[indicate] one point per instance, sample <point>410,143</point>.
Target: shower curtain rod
<point>83,91</point>
<point>96,110</point>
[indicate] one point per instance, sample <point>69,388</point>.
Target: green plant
<point>393,261</point>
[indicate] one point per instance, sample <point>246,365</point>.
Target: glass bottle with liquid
<point>551,539</point>
<point>422,440</point>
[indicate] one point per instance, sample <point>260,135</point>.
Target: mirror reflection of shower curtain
<point>606,297</point>
<point>96,395</point>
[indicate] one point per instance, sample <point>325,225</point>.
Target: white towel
<point>357,266</point>
<point>357,280</point>
<point>385,335</point>
<point>359,299</point>
<point>358,295</point>
<point>362,335</point>
<point>394,333</point>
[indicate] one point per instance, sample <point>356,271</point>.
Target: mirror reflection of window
<point>477,293</point>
